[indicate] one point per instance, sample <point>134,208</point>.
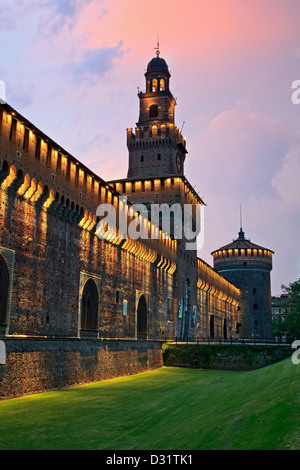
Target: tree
<point>292,318</point>
<point>278,327</point>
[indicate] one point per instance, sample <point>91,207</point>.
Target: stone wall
<point>36,365</point>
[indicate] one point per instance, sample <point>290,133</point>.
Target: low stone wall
<point>231,357</point>
<point>36,365</point>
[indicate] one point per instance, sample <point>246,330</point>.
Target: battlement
<point>158,134</point>
<point>243,258</point>
<point>242,253</point>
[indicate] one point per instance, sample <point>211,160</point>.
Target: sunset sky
<point>72,67</point>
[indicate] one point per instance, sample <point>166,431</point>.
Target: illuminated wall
<point>48,217</point>
<point>218,304</point>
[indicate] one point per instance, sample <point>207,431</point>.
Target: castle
<point>76,306</point>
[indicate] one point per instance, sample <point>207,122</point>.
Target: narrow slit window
<point>38,148</point>
<point>58,165</point>
<point>68,173</point>
<point>49,154</point>
<point>13,130</point>
<point>26,140</point>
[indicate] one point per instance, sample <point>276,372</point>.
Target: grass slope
<point>166,409</point>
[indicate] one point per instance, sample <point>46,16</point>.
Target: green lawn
<point>166,409</point>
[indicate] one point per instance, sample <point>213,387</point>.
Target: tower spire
<point>241,232</point>
<point>241,224</point>
<point>157,46</point>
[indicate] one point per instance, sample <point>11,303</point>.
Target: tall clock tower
<point>157,147</point>
<point>157,152</point>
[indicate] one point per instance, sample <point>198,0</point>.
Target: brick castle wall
<point>35,365</point>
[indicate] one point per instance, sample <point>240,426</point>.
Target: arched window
<point>89,306</point>
<point>153,111</point>
<point>142,317</point>
<point>162,84</point>
<point>154,84</point>
<point>4,283</point>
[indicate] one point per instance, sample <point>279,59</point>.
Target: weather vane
<point>157,47</point>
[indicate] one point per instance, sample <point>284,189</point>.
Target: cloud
<point>234,160</point>
<point>97,62</point>
<point>286,180</point>
<point>295,50</point>
<point>241,147</point>
<point>59,14</point>
<point>7,21</point>
<point>66,7</point>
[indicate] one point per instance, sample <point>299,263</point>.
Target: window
<point>49,153</point>
<point>153,111</point>
<point>68,172</point>
<point>84,181</point>
<point>254,290</point>
<point>255,306</point>
<point>77,176</point>
<point>38,148</point>
<point>13,130</point>
<point>154,84</point>
<point>142,158</point>
<point>158,156</point>
<point>58,165</point>
<point>26,140</point>
<point>117,297</point>
<point>162,84</point>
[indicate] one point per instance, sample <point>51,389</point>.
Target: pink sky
<point>73,67</point>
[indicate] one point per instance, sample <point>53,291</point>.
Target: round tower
<point>248,266</point>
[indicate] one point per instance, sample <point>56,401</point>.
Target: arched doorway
<point>142,318</point>
<point>4,283</point>
<point>89,306</point>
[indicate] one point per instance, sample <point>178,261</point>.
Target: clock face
<point>178,162</point>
